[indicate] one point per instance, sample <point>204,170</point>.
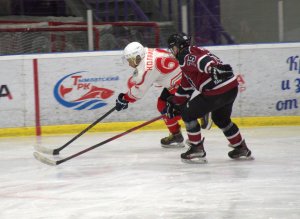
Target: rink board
<point>42,90</point>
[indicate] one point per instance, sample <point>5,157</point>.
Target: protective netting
<point>73,37</point>
<point>42,40</point>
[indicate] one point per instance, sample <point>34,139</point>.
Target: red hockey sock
<point>235,139</point>
<point>194,137</point>
<point>172,124</point>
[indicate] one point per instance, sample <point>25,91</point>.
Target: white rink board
<point>263,69</point>
<point>16,79</point>
<point>97,66</point>
<point>269,84</point>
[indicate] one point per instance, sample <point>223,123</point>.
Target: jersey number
<point>191,60</point>
<point>166,65</point>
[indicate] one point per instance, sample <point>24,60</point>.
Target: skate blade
<point>179,145</point>
<point>244,158</point>
<point>195,160</point>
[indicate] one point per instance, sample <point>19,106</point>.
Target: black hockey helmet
<point>180,40</point>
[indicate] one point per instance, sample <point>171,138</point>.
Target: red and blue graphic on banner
<point>78,92</point>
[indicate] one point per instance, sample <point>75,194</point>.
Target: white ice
<point>133,177</point>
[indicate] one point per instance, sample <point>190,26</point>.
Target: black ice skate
<point>240,151</point>
<point>206,121</point>
<point>173,141</point>
<point>195,154</point>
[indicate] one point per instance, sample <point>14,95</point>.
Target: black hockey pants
<point>219,105</point>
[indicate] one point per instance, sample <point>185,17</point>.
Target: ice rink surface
<point>133,177</point>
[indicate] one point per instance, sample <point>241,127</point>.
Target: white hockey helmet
<point>132,50</point>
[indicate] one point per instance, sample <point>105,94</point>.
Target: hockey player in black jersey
<point>217,87</point>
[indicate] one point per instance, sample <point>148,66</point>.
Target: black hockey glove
<point>165,94</point>
<point>220,73</point>
<point>121,104</point>
<point>171,109</point>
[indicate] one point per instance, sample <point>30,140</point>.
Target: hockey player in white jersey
<point>155,67</point>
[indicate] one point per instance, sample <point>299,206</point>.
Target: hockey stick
<point>47,161</point>
<point>57,150</point>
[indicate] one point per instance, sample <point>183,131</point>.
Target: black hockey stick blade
<point>57,150</point>
<point>50,162</point>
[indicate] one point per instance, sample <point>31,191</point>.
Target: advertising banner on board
<point>77,88</point>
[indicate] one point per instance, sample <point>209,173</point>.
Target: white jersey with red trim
<point>158,68</point>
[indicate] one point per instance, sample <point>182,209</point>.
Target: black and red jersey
<point>195,63</point>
